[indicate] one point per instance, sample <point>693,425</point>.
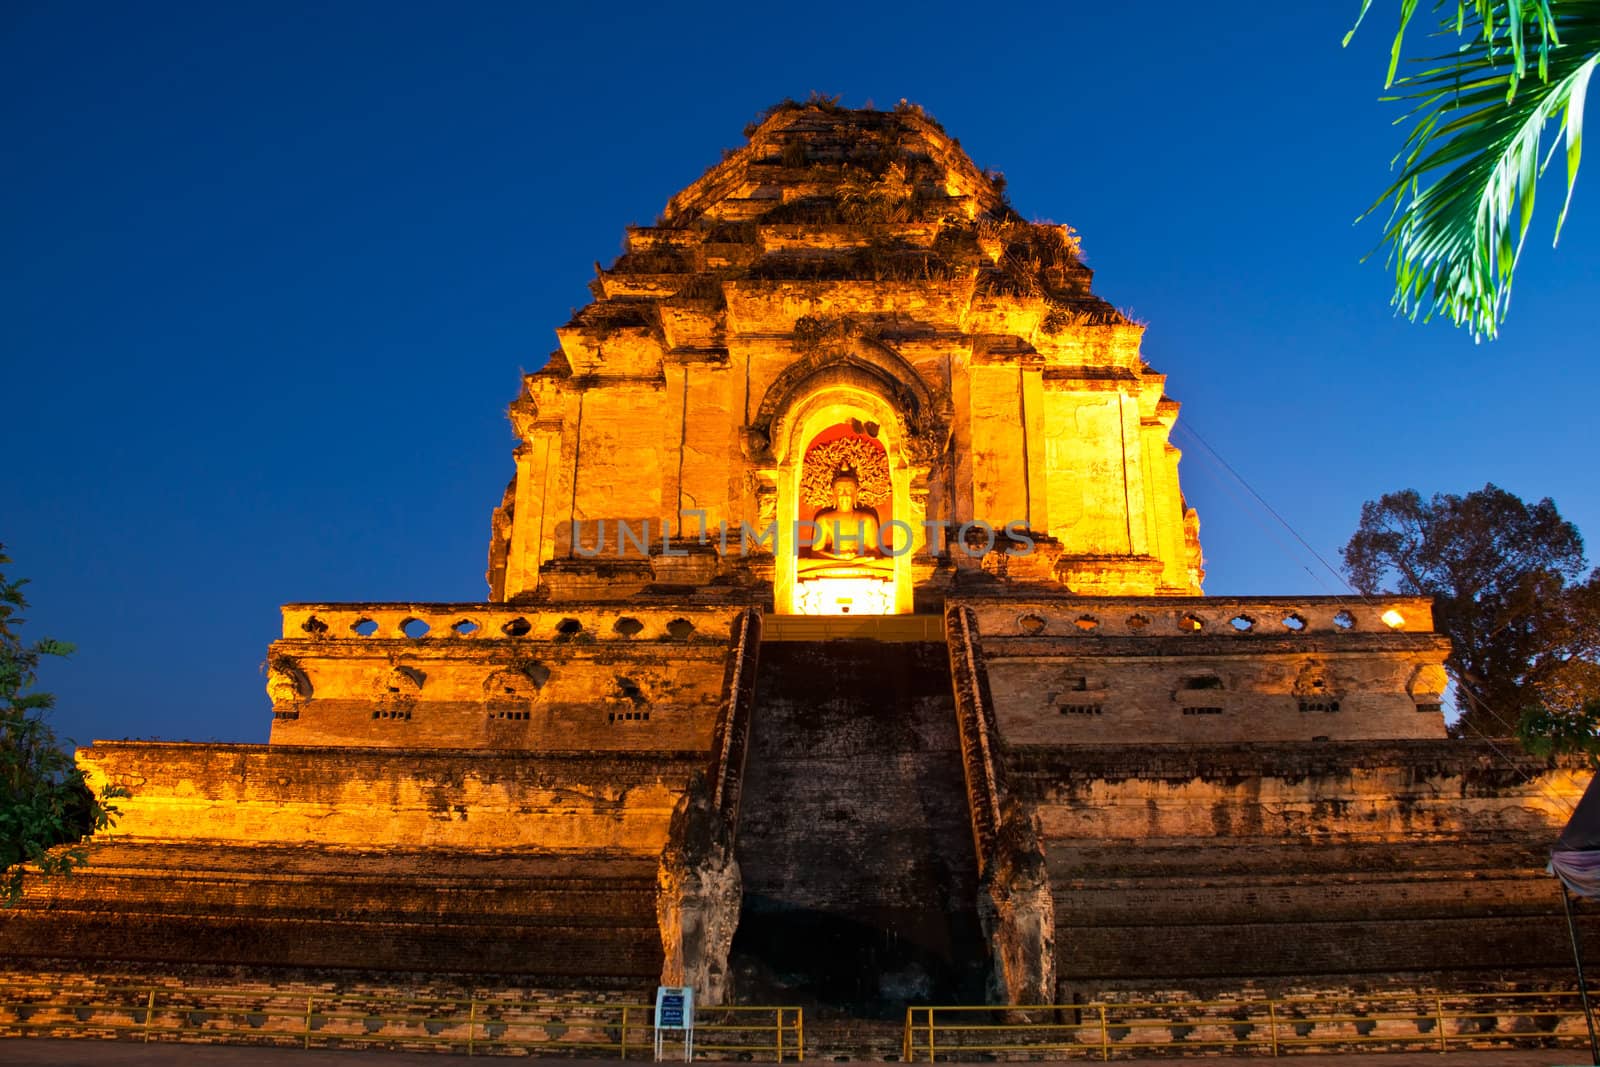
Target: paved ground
<point>44,1052</point>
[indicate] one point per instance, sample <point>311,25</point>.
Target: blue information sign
<point>671,1016</point>
<point>675,1011</point>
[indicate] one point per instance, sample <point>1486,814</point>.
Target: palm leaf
<point>1461,205</point>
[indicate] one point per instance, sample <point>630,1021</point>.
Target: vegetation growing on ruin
<point>878,207</point>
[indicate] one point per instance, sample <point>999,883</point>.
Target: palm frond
<point>1507,25</point>
<point>1461,205</point>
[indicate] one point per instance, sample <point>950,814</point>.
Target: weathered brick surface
<point>576,801</point>
<point>198,1004</point>
<point>1081,670</point>
<point>416,860</point>
<point>860,877</point>
<point>728,337</point>
<point>1386,863</point>
<point>596,688</point>
<point>547,916</point>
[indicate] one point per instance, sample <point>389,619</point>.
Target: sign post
<point>675,1011</point>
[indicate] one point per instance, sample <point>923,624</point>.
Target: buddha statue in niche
<point>848,530</point>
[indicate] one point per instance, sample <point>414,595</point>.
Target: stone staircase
<point>860,880</point>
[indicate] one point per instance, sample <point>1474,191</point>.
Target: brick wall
<point>263,794</point>
<point>437,861</point>
<point>1084,670</point>
<point>1186,866</point>
<point>261,908</point>
<point>607,698</point>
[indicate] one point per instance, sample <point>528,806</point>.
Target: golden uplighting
<point>1393,619</point>
<point>845,596</point>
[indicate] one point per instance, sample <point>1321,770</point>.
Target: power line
<point>1339,576</point>
<point>1268,530</point>
<point>1216,456</point>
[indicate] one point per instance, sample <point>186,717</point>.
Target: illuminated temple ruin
<point>845,646</point>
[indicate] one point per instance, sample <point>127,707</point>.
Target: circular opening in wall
<point>1190,623</point>
<point>627,626</point>
<point>1031,624</point>
<point>517,627</point>
<point>1242,623</point>
<point>314,626</point>
<point>569,627</point>
<point>414,628</point>
<point>1344,620</point>
<point>1086,623</point>
<point>465,628</point>
<point>680,629</point>
<point>363,627</point>
<point>1294,623</point>
<point>1138,622</point>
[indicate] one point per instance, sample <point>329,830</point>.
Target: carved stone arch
<point>397,690</point>
<point>287,685</point>
<point>509,695</point>
<point>1427,683</point>
<point>1315,687</point>
<point>509,683</point>
<point>1073,683</point>
<point>1313,681</point>
<point>400,680</point>
<point>867,367</point>
<point>1201,680</point>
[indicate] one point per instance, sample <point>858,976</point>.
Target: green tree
<point>1507,581</point>
<point>1460,207</point>
<point>43,799</point>
<point>1544,730</point>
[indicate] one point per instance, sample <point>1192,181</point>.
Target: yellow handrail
<point>1247,1025</point>
<point>476,1025</point>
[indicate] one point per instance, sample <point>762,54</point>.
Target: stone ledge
<point>1210,646</point>
<point>1006,613</point>
<point>572,802</point>
<point>328,623</point>
<point>350,752</point>
<point>1484,763</point>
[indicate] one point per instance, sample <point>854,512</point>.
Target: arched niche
<point>835,396</point>
<point>920,415</point>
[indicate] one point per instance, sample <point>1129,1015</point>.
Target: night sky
<point>271,274</point>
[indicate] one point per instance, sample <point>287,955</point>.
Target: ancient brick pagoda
<point>845,645</point>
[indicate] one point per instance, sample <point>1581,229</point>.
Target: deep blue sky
<point>268,277</point>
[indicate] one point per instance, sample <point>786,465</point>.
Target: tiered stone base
<point>537,868</point>
<point>1413,864</point>
<point>551,919</point>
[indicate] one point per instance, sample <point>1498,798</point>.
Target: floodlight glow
<point>1393,619</point>
<point>845,596</point>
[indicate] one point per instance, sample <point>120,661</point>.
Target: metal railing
<point>1268,1027</point>
<point>473,1025</point>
